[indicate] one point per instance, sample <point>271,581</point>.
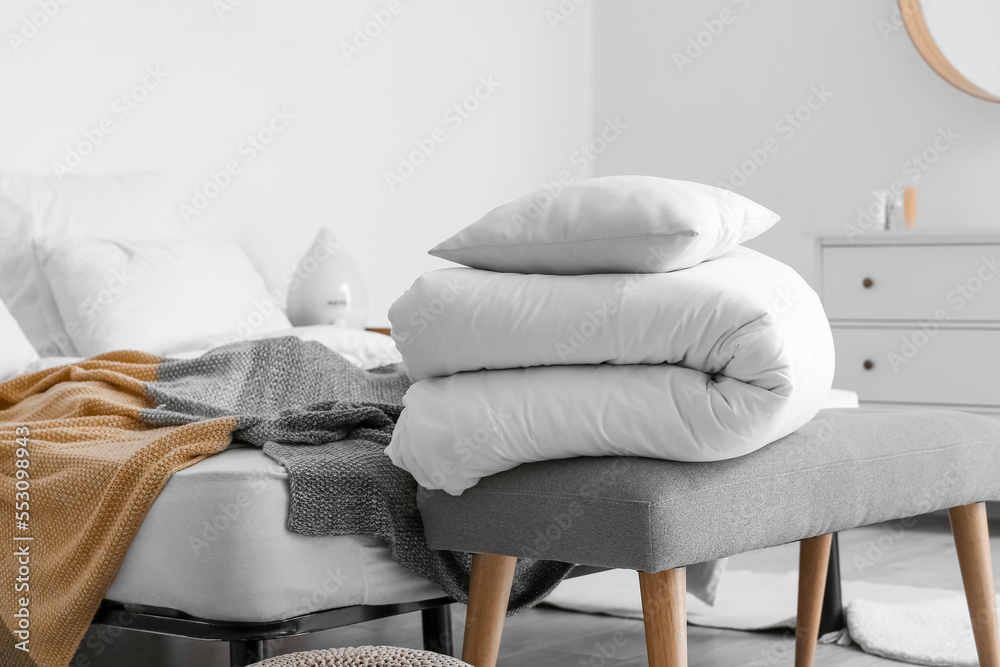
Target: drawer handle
<point>868,283</point>
<point>869,364</point>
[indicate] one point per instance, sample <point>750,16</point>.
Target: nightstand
<point>915,317</point>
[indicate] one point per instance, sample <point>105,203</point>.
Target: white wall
<point>886,106</point>
<point>226,73</point>
<point>227,70</point>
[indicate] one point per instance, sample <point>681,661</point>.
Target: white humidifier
<point>327,286</point>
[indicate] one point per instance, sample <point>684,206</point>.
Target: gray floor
<point>921,554</point>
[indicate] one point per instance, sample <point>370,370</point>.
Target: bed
<point>212,562</point>
<point>213,559</point>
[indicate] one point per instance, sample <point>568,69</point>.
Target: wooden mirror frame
<point>920,35</point>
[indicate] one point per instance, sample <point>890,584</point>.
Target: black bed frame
<point>248,641</point>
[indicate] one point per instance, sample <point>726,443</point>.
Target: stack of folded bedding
<point>619,316</point>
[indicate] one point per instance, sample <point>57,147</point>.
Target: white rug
<point>923,626</point>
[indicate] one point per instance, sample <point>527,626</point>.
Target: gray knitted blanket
<point>327,422</point>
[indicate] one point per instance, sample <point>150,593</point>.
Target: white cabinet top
<point>933,236</point>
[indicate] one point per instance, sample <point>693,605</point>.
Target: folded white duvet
<point>707,363</point>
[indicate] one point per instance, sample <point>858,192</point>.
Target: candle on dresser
<point>910,207</point>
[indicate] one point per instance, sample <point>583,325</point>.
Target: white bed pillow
<point>154,296</point>
<point>365,349</point>
<point>16,353</point>
<point>615,224</point>
<point>133,206</point>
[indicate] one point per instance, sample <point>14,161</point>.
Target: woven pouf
<point>363,656</point>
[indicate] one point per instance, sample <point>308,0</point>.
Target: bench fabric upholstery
<point>846,468</point>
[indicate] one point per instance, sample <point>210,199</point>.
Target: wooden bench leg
<point>664,613</point>
<point>814,559</point>
<point>972,541</point>
<point>489,592</point>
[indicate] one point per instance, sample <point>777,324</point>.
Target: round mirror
<point>960,40</point>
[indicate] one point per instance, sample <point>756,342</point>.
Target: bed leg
<point>489,592</point>
<point>972,541</point>
<point>814,560</point>
<point>243,653</point>
<point>664,616</point>
<point>437,630</point>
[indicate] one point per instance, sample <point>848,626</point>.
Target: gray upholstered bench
<point>846,468</point>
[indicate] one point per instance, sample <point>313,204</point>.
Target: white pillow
<point>616,224</point>
<point>16,353</point>
<point>133,206</point>
<point>154,296</point>
<point>366,349</point>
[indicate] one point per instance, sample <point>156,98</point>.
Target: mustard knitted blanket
<point>85,449</point>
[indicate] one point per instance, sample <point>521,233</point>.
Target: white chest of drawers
<point>915,317</point>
